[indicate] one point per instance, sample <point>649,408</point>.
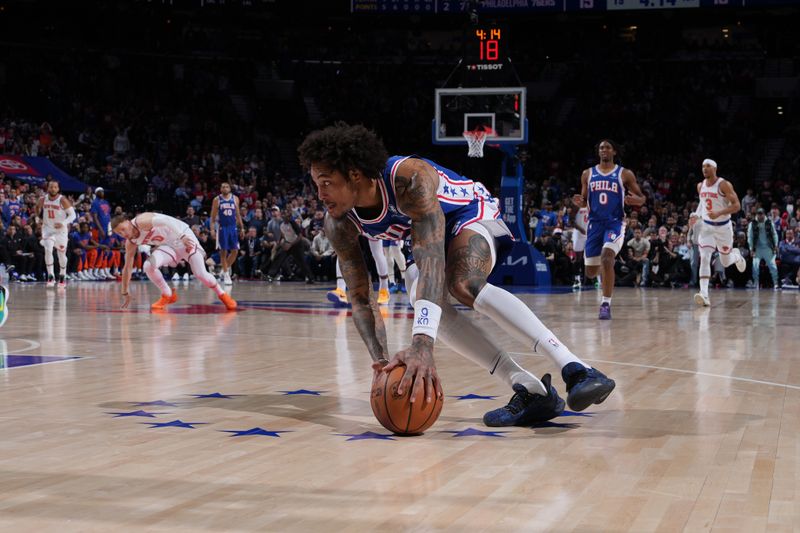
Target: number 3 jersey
<point>606,195</point>
<point>463,202</point>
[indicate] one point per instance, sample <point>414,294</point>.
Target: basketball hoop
<point>475,141</point>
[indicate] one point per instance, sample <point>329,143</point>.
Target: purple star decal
<point>254,431</point>
<point>160,403</point>
<point>302,391</point>
<point>174,424</point>
<point>215,395</point>
<point>472,432</point>
<point>473,397</point>
<point>367,435</point>
<point>135,413</point>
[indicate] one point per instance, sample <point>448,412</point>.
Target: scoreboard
<point>432,7</point>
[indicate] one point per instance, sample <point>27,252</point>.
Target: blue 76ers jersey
<point>606,195</point>
<point>463,202</point>
<point>227,211</point>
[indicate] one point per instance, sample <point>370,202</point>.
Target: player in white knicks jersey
<point>57,214</point>
<point>173,241</point>
<point>718,201</point>
<point>579,240</point>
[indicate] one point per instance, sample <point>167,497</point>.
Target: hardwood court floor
<point>701,433</point>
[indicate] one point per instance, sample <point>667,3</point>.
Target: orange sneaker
<point>229,302</point>
<point>383,296</point>
<point>164,301</point>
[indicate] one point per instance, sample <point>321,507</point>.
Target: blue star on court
<point>367,435</point>
<point>573,413</point>
<point>464,191</point>
<point>174,424</point>
<point>473,397</point>
<point>160,403</point>
<point>472,432</point>
<point>135,413</point>
<point>446,189</point>
<point>302,391</point>
<point>215,395</point>
<point>254,431</point>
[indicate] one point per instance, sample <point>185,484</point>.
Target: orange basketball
<point>395,412</point>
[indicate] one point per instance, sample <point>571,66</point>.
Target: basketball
<point>395,412</point>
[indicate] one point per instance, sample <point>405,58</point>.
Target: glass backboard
<point>501,111</point>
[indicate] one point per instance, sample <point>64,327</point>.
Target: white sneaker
<point>741,264</point>
<point>51,281</point>
<point>186,277</point>
<point>702,299</point>
<point>228,280</point>
<point>176,277</point>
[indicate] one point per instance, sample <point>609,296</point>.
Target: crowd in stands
<point>668,98</point>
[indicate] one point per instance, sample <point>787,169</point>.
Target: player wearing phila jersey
<point>458,237</point>
<point>606,189</point>
<point>712,226</point>
<point>225,223</point>
<point>173,241</point>
<point>57,214</point>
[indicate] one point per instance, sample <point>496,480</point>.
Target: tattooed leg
<point>470,259</point>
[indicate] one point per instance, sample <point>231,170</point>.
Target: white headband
<point>710,162</point>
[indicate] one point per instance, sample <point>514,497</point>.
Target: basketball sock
<point>376,247</point>
<point>606,300</point>
<point>198,266</point>
<point>383,282</point>
<point>340,284</point>
<point>50,273</point>
<point>153,273</point>
<point>704,286</point>
<point>468,339</point>
<point>517,319</point>
<point>62,262</point>
<point>390,264</point>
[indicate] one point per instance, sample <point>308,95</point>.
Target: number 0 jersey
<point>606,195</point>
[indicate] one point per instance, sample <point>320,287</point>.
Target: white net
<point>475,141</point>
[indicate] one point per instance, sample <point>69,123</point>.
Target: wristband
<point>125,293</point>
<point>426,318</point>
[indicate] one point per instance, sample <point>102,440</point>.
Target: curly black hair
<point>617,148</point>
<point>345,148</point>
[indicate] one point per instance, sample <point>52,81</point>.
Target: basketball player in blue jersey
<point>457,238</point>
<point>225,211</point>
<point>603,191</point>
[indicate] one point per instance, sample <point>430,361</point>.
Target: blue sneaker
<point>585,386</point>
<point>3,304</point>
<point>605,311</point>
<point>402,286</point>
<point>393,288</point>
<point>526,409</point>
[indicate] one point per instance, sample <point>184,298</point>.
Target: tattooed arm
<point>343,235</point>
<point>416,183</point>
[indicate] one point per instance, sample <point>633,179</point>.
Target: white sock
<point>198,267</point>
<point>50,270</point>
<point>606,300</point>
<point>704,286</point>
<point>340,284</point>
<point>382,267</point>
<point>519,321</point>
<point>467,338</point>
<point>383,283</point>
<point>153,273</point>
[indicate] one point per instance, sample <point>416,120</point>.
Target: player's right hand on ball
<point>420,370</point>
